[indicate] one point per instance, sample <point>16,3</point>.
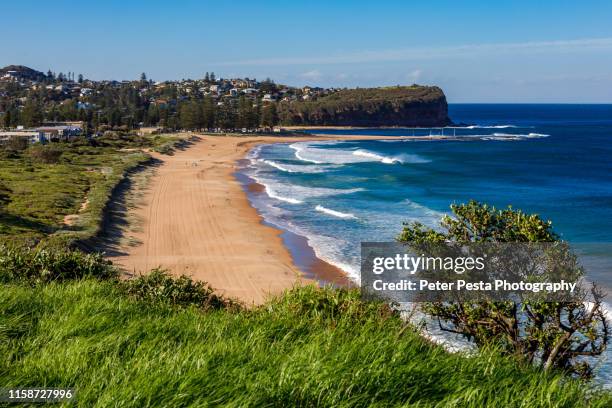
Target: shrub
<point>328,304</point>
<point>42,265</point>
<point>553,335</point>
<point>46,154</point>
<point>159,286</point>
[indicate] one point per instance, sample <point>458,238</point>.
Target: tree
<point>207,77</point>
<point>553,335</point>
<point>212,77</point>
<point>32,114</point>
<point>242,120</point>
<point>208,113</point>
<point>6,119</point>
<point>269,116</point>
<point>80,78</point>
<point>143,77</point>
<point>190,115</point>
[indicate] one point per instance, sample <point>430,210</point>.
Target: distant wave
<point>276,165</point>
<point>309,152</point>
<point>296,194</point>
<point>377,157</point>
<point>493,136</point>
<point>291,168</point>
<point>511,136</point>
<point>299,148</point>
<point>273,194</point>
<point>484,127</point>
<point>334,212</point>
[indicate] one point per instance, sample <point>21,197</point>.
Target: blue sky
<point>477,51</point>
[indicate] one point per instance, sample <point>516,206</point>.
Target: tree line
<point>189,114</point>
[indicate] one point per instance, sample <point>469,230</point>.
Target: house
<point>269,98</point>
<point>33,136</point>
<point>60,133</point>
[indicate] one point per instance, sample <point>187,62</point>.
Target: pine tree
<point>269,116</point>
<point>212,77</point>
<point>206,77</point>
<point>208,113</point>
<point>80,78</point>
<point>32,114</point>
<point>7,119</point>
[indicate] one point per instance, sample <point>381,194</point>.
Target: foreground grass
<point>310,347</point>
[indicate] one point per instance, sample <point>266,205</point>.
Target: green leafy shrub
<point>159,286</point>
<point>569,336</point>
<point>328,304</point>
<point>42,265</point>
<point>46,154</point>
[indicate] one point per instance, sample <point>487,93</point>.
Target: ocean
<point>553,160</point>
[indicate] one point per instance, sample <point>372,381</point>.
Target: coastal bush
<point>115,349</point>
<point>46,154</point>
<point>552,335</point>
<point>158,286</point>
<point>329,305</point>
<point>42,266</point>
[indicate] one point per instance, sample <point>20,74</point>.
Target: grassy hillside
<point>391,106</point>
<point>310,347</point>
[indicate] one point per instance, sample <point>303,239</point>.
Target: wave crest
<point>335,213</point>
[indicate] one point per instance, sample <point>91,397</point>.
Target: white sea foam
<point>307,151</point>
<point>276,165</point>
<point>299,149</point>
<point>376,157</point>
<point>334,212</point>
<point>296,194</point>
<point>300,168</point>
<point>273,194</point>
<point>483,127</point>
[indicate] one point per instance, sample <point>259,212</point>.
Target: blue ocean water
<point>553,160</point>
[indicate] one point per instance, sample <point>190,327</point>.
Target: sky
<point>476,51</point>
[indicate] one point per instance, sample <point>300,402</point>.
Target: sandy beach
<point>197,220</point>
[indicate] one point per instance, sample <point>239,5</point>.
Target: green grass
<point>311,347</point>
<point>42,194</point>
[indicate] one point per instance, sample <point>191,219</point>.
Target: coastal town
<point>58,107</point>
<point>48,107</point>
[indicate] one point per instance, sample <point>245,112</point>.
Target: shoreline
<point>197,220</point>
<point>302,254</point>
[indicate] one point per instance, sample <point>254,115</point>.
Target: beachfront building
<point>32,136</point>
<point>60,133</point>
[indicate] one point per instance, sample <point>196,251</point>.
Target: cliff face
<point>393,106</point>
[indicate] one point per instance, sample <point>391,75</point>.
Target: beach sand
<point>197,220</point>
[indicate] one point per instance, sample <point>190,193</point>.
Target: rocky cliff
<point>391,106</point>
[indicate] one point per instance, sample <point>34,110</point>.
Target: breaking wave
<point>335,213</point>
<point>292,168</point>
<point>296,194</point>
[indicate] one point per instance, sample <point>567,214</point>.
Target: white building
<point>33,136</point>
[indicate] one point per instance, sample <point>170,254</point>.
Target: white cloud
<point>421,53</point>
<point>313,75</point>
<point>414,76</point>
